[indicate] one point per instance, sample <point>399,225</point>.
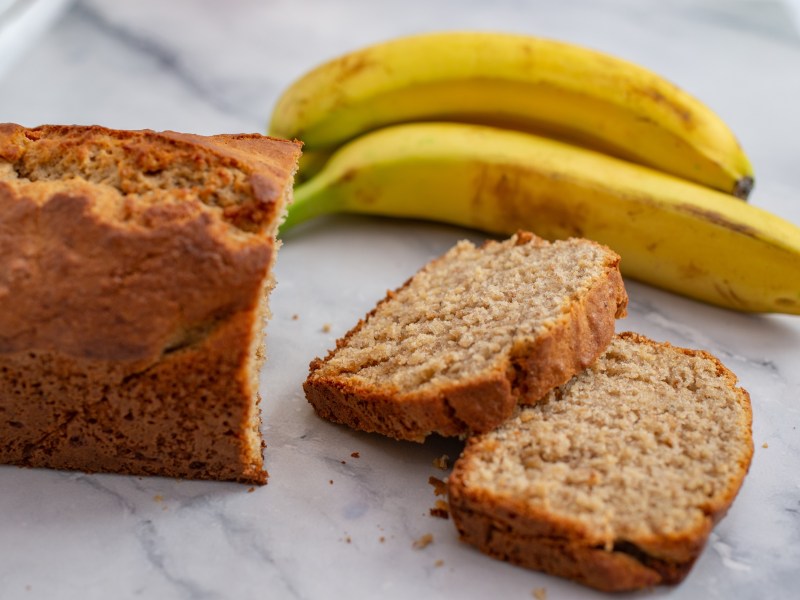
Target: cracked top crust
<point>125,245</point>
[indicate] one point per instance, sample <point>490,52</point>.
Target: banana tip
<point>743,187</point>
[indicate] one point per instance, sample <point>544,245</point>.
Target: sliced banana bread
<point>616,478</point>
<point>134,272</point>
<point>470,335</point>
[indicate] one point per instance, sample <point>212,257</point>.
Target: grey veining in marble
<point>329,524</point>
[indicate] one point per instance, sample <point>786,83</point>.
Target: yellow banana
<point>670,233</point>
<point>311,163</point>
<point>517,82</point>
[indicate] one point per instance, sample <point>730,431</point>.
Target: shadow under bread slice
<point>616,478</point>
<point>471,335</point>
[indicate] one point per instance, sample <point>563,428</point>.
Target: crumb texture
<point>480,325</point>
<point>633,459</point>
<point>462,314</point>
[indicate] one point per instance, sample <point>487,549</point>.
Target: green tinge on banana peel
<point>516,82</point>
<point>672,234</point>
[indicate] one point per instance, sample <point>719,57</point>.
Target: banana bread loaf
<point>616,478</point>
<point>470,335</point>
<point>134,273</point>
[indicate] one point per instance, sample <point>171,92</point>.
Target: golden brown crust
<point>499,531</point>
<point>474,406</point>
<point>266,162</point>
<point>515,533</point>
<point>87,286</point>
<point>480,404</point>
<point>258,154</point>
<point>127,325</point>
<point>179,416</point>
<point>574,343</point>
<point>519,532</point>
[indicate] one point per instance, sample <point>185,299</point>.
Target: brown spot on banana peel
<point>725,290</point>
<point>366,196</point>
<point>787,302</point>
<point>357,195</point>
<point>684,114</point>
<point>692,271</point>
<point>347,176</point>
<point>499,191</point>
<point>743,185</point>
<point>502,187</point>
<point>719,219</point>
<point>362,195</point>
<point>349,66</point>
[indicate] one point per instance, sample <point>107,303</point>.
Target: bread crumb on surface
<point>441,510</point>
<point>540,593</point>
<point>158,498</point>
<point>295,317</point>
<point>251,490</point>
<point>442,462</point>
<point>423,541</point>
<point>381,539</point>
<point>330,481</point>
<point>355,455</point>
<point>439,486</point>
<point>326,328</point>
<point>765,445</point>
<point>439,563</point>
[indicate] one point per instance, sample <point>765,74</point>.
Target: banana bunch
<point>450,127</point>
<point>515,82</point>
<point>670,233</point>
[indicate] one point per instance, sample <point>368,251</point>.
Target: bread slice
<point>616,478</point>
<point>134,272</point>
<point>470,335</point>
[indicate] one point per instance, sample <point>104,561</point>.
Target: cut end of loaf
<point>470,335</point>
<point>145,259</point>
<point>616,478</point>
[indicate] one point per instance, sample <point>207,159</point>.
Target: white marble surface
<point>22,23</point>
<point>329,525</point>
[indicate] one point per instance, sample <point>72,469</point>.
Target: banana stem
<point>312,199</point>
